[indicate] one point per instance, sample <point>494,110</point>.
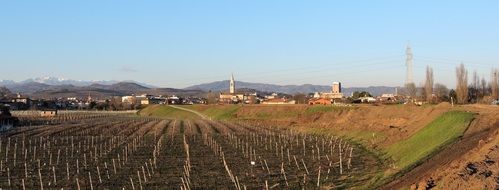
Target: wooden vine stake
<point>319,177</point>
<point>350,159</point>
<point>90,180</point>
<point>131,182</point>
<point>140,180</point>
<point>8,176</point>
<point>77,184</point>
<point>341,164</point>
<point>98,173</point>
<point>53,172</point>
<point>41,180</point>
<point>24,186</point>
<point>284,173</point>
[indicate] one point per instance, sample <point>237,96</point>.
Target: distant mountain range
<point>59,89</point>
<point>51,87</point>
<point>63,81</point>
<point>288,89</point>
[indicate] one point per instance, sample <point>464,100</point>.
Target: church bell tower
<point>232,87</point>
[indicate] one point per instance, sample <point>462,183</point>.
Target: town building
<point>20,102</point>
<point>48,112</point>
<point>367,99</point>
<point>278,101</point>
<point>139,98</point>
<point>232,97</point>
<point>174,100</point>
<point>319,101</point>
<point>387,98</point>
<point>128,99</point>
<point>154,100</point>
<point>252,99</point>
<point>20,99</point>
<point>335,92</point>
<point>390,97</point>
<point>272,96</point>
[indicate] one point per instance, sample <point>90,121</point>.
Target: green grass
<point>163,111</point>
<point>406,154</point>
<point>439,133</point>
<point>221,112</point>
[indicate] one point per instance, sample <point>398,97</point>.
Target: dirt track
<point>482,128</point>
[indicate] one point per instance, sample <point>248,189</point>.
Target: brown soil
<point>462,165</point>
<point>446,170</point>
<point>454,167</point>
<point>392,123</point>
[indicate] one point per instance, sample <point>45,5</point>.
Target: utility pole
<point>408,64</point>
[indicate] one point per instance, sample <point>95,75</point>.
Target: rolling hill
<point>40,90</point>
<point>55,81</point>
<point>288,89</point>
<point>50,87</point>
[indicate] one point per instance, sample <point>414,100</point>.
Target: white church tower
<point>232,87</point>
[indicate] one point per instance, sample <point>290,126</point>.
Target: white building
<point>334,94</point>
<point>367,99</point>
<point>128,99</point>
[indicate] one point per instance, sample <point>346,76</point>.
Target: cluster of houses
<point>20,102</point>
<point>232,96</point>
<point>322,98</point>
<point>328,98</point>
<point>146,99</point>
<point>335,96</point>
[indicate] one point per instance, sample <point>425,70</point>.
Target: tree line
<point>478,90</point>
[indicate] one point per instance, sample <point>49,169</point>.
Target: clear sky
<point>181,43</point>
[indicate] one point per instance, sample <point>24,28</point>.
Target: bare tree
<point>494,83</point>
<point>4,92</point>
<point>473,89</point>
<point>300,98</point>
<point>421,91</point>
<point>411,89</point>
<point>211,97</point>
<point>442,92</point>
<point>428,89</point>
<point>483,88</point>
<point>462,84</point>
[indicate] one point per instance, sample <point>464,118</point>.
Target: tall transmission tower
<point>408,64</point>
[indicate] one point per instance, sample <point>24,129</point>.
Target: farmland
<point>115,151</point>
<point>427,145</point>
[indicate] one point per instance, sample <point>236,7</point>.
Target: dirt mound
<point>379,125</point>
<point>470,163</point>
<point>444,105</point>
<point>462,164</point>
<point>477,169</point>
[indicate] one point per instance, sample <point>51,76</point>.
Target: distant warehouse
<point>278,101</point>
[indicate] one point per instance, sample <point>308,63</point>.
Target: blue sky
<point>182,43</point>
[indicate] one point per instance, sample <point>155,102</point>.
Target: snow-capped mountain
<point>63,81</point>
<point>7,82</point>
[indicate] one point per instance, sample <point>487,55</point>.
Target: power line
<point>304,70</point>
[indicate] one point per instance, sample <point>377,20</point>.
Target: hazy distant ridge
<point>288,89</point>
<point>40,90</point>
<point>64,81</point>
<point>49,87</point>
